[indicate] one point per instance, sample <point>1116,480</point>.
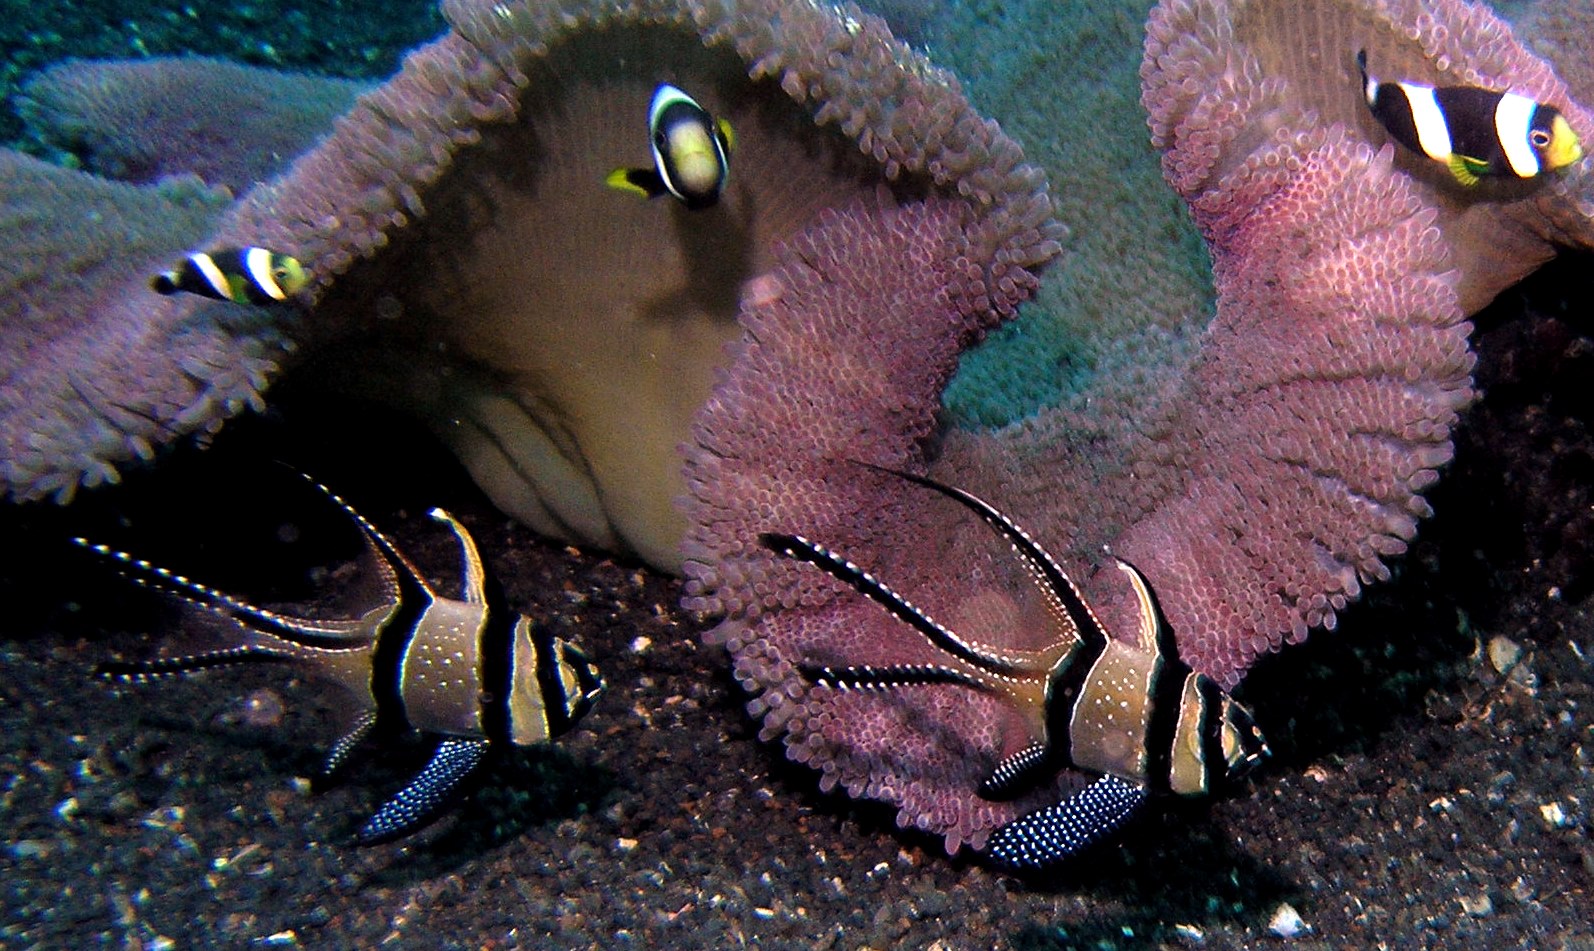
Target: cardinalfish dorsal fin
<point>400,577</point>
<point>317,633</point>
<point>1069,610</point>
<point>1152,628</point>
<point>475,572</point>
<point>976,655</point>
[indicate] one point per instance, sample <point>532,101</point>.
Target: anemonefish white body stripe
<point>691,152</point>
<point>1473,132</point>
<point>242,275</point>
<point>1433,134</point>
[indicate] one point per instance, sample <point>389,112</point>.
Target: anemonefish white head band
<point>1513,120</point>
<point>258,263</point>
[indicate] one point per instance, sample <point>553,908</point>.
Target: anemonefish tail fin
<point>1369,84</point>
<point>642,181</point>
<point>727,136</point>
<point>1466,170</point>
<point>164,283</point>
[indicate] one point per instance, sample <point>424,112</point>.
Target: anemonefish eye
<point>660,139</point>
<point>1539,139</point>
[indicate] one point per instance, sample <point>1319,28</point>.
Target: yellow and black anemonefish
<point>691,152</point>
<point>472,672</point>
<point>241,275</point>
<point>1473,132</point>
<point>1132,713</point>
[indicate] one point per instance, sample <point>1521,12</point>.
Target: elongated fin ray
<point>401,577</point>
<point>321,634</point>
<point>416,804</point>
<point>1045,837</point>
<point>1155,633</point>
<point>801,549</point>
<point>161,668</point>
<point>475,574</point>
<point>891,677</point>
<point>1069,608</point>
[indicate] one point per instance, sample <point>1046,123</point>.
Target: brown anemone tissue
<point>471,265</point>
<point>1259,479</point>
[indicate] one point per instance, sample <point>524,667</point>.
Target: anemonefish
<point>1471,131</point>
<point>691,152</point>
<point>241,275</point>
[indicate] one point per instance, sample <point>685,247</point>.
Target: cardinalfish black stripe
<point>241,275</point>
<point>472,672</point>
<point>691,152</point>
<point>1133,713</point>
<point>1473,132</point>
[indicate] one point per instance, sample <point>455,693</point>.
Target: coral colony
<point>867,228</point>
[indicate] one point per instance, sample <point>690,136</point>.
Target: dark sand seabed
<point>1417,798</point>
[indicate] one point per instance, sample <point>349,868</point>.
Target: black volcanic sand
<point>1417,797</point>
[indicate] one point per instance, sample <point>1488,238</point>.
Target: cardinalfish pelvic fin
<point>1473,132</point>
<point>241,275</point>
<point>1133,714</point>
<point>691,152</point>
<point>472,672</point>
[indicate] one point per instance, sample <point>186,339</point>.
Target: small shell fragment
<point>1286,922</point>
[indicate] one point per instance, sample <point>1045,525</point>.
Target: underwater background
<point>1430,784</point>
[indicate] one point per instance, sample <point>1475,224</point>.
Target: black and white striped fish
<point>473,672</point>
<point>1133,714</point>
<point>1473,132</point>
<point>241,275</point>
<point>691,152</point>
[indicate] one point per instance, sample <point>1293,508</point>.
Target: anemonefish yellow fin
<point>1466,170</point>
<point>640,181</point>
<point>727,136</point>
